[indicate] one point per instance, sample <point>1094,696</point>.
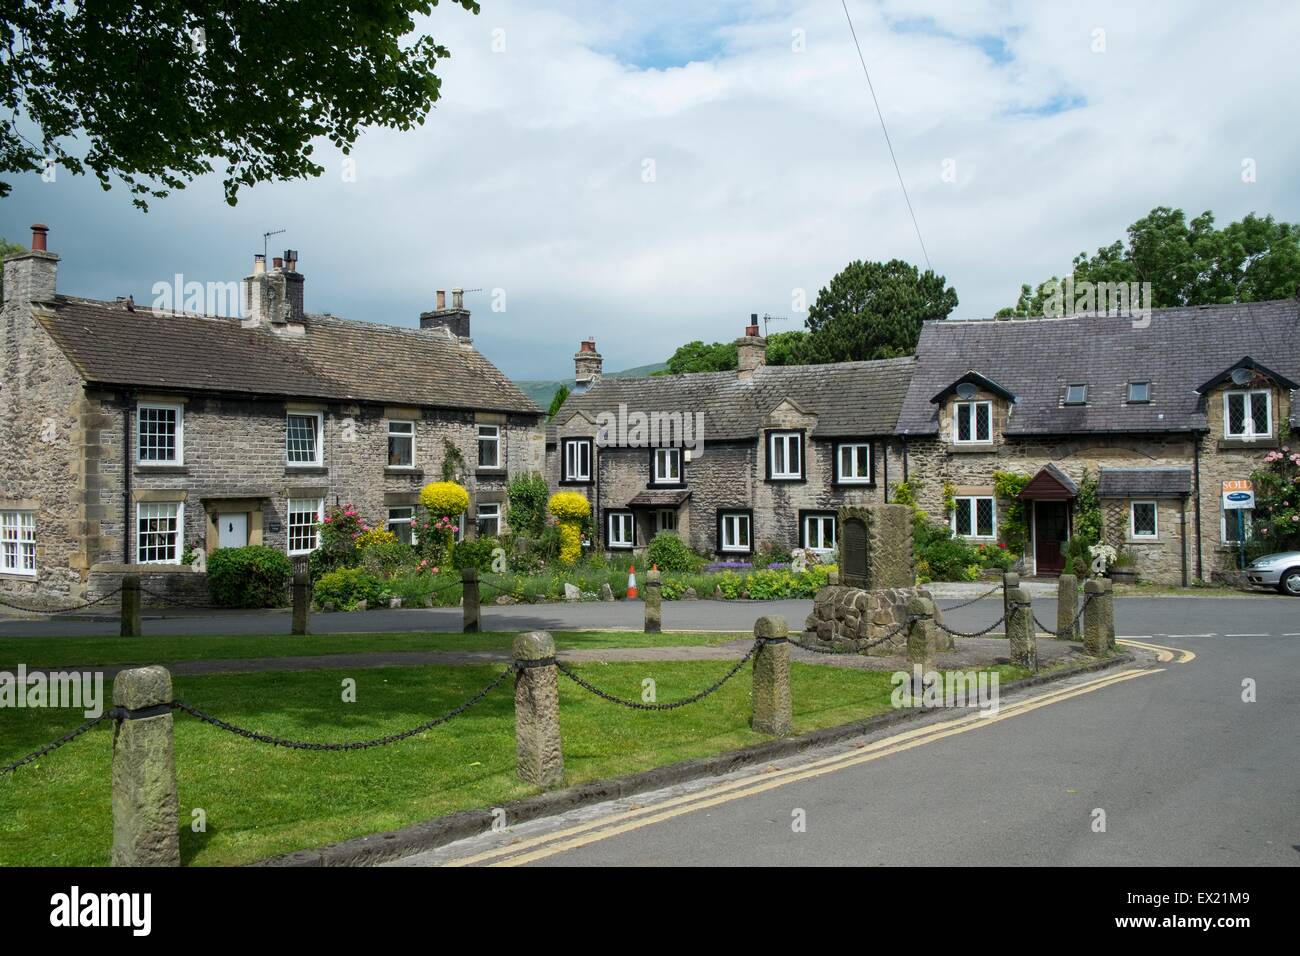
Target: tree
<point>874,310</point>
<point>1190,263</point>
<point>558,399</point>
<point>787,348</point>
<point>155,95</point>
<point>698,357</point>
<point>7,248</point>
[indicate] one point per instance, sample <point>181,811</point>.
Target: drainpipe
<point>1196,464</point>
<point>126,480</point>
<point>885,446</point>
<point>1183,518</point>
<point>905,457</point>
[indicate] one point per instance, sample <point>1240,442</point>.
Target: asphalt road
<point>1187,774</point>
<point>1247,614</point>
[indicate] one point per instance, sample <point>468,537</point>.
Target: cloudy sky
<point>653,172</point>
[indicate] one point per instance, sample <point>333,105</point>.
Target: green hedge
<point>254,576</point>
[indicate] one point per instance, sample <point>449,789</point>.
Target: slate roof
<point>337,359</point>
<point>658,499</point>
<point>1035,359</point>
<point>848,398</point>
<point>1144,482</point>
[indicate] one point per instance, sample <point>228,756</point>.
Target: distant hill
<point>542,391</point>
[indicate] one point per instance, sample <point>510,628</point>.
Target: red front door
<point>1051,531</point>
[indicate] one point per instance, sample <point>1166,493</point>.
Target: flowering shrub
<point>337,533</point>
<point>375,537</point>
<point>1277,501</point>
<point>1103,556</point>
<point>444,498</point>
<point>570,509</point>
<point>345,588</point>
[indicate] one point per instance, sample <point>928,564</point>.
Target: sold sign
<point>1238,493</point>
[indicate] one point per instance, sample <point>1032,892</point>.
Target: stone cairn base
<point>847,619</point>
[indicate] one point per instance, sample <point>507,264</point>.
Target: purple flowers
<point>728,566</point>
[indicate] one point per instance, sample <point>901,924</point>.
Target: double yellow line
<point>1163,654</point>
<point>549,844</point>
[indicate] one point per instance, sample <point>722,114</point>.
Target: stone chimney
<point>751,350</point>
<point>587,365</point>
<point>30,276</point>
<point>454,321</point>
<point>274,298</point>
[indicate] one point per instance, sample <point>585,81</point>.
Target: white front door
<point>232,528</point>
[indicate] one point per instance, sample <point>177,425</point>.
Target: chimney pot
<point>458,298</point>
<point>277,262</point>
<point>39,231</point>
<point>588,345</point>
<point>259,264</point>
<point>442,299</point>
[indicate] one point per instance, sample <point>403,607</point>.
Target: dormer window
<point>1076,394</point>
<point>1248,414</point>
<point>667,466</point>
<point>1139,392</point>
<point>972,422</point>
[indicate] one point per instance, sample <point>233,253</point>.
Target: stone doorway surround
<point>213,508</point>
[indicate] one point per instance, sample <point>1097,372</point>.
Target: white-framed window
<point>622,529</point>
<point>666,519</point>
<point>1142,519</point>
<point>667,466</point>
<point>1139,392</point>
<point>304,516</point>
<point>303,438</point>
<point>488,520</point>
<point>489,446</point>
<point>1248,414</point>
<point>159,434</point>
<point>975,516</point>
<point>972,422</point>
<point>18,542</point>
<point>853,464</point>
<point>785,456</point>
<point>577,459</point>
<point>734,531</point>
<point>1237,525</point>
<point>159,527</point>
<point>401,444</point>
<point>399,523</point>
<point>819,533</point>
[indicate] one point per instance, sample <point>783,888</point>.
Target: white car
<point>1281,570</point>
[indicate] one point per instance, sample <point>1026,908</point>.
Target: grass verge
<point>261,801</point>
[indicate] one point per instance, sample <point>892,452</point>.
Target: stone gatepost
<point>771,694</point>
<point>1096,642</point>
<point>539,756</point>
<point>920,640</point>
<point>1020,630</point>
<point>1010,579</point>
<point>1108,607</point>
<point>301,601</point>
<point>470,599</point>
<point>653,602</point>
<point>131,625</point>
<point>1067,606</point>
<point>145,805</point>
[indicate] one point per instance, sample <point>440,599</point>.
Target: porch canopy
<point>1050,484</point>
<point>658,499</point>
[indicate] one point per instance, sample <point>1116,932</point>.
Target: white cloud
<point>771,172</point>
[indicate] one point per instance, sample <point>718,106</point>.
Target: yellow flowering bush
<point>570,509</point>
<point>444,498</point>
<point>375,536</point>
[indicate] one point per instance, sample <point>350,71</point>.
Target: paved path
<point>1186,773</point>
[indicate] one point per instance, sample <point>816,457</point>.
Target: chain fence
<point>62,610</point>
<point>1074,625</point>
<point>671,705</point>
<point>975,600</point>
<point>58,742</point>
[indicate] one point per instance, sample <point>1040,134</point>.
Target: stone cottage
<point>1160,413</point>
<point>734,462</point>
<point>140,439</point>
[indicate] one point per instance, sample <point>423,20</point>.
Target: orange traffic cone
<point>631,583</point>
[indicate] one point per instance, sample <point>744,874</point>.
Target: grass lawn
<point>72,651</point>
<point>261,801</point>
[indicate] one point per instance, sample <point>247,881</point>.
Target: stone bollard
<point>145,814</point>
<point>1020,630</point>
<point>1067,606</point>
<point>1095,640</point>
<point>653,602</point>
<point>539,756</point>
<point>771,694</point>
<point>920,641</point>
<point>131,606</point>
<point>1010,580</point>
<point>1108,607</point>
<point>469,599</point>
<point>301,601</point>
